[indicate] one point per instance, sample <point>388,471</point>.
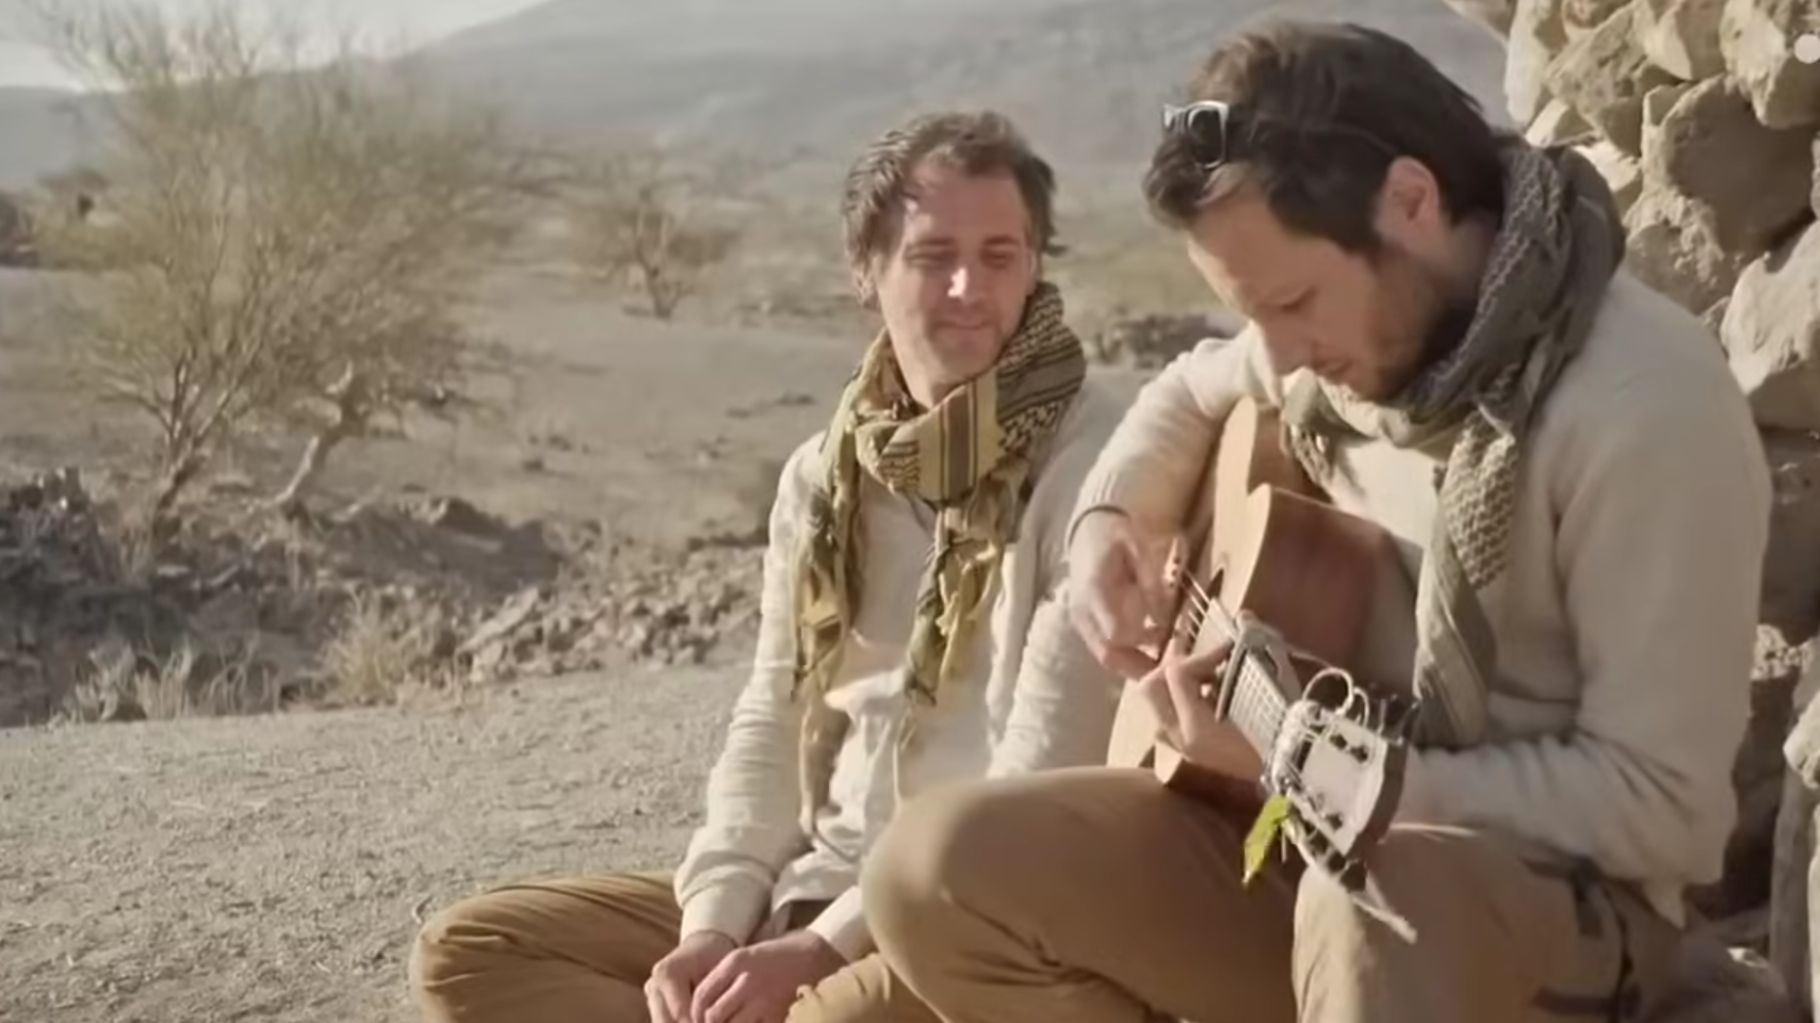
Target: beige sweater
<point>1625,622</point>
<point>1035,698</point>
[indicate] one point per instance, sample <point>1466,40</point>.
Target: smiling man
<point>1438,313</point>
<point>910,632</point>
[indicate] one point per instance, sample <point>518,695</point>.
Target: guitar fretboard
<point>1258,706</point>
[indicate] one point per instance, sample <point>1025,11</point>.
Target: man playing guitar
<point>1439,320</point>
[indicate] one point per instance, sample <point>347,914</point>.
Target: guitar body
<point>1266,542</point>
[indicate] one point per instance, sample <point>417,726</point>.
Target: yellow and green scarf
<point>969,458</point>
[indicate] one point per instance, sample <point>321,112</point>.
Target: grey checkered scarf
<point>1554,254</point>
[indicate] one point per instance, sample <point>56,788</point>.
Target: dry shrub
<point>122,685</point>
<point>384,654</point>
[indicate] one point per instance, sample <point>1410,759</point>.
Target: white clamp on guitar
<point>1335,753</point>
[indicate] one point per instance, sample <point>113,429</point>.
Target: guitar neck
<point>1257,707</point>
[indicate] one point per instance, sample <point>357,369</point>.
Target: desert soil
<point>274,868</point>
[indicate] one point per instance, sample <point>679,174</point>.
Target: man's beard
<point>1447,330</point>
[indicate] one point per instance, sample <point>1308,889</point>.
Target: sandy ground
<point>270,868</point>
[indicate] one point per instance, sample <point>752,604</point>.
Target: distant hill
<point>805,82</point>
<point>40,132</point>
<point>795,86</point>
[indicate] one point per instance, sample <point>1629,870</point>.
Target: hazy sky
<point>24,62</point>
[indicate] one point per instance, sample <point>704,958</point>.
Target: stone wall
<point>1704,116</point>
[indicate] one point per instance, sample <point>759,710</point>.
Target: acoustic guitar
<point>1288,579</point>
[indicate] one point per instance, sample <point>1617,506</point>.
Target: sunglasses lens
<point>1206,131</point>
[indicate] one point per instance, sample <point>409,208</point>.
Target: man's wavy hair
<point>1318,111</point>
<point>982,143</point>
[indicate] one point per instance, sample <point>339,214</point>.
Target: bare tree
<point>635,217</point>
<point>276,244</point>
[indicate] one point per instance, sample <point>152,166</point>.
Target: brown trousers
<point>1094,895</point>
<point>580,949</point>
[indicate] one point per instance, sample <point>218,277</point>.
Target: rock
<point>1757,40</point>
<point>1789,889</point>
<point>1560,124</point>
<point>1492,14</point>
<point>1622,172</point>
<point>1672,248</point>
<point>1536,37</point>
<point>1605,74</point>
<point>1715,984</point>
<point>1791,584</point>
<point>1659,101</point>
<point>1714,317</point>
<point>515,612</point>
<point>1152,341</point>
<point>455,514</point>
<point>1772,335</point>
<point>1757,777</point>
<point>1815,153</point>
<point>1589,13</point>
<point>1756,181</point>
<point>1682,36</point>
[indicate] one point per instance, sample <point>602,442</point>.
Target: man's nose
<point>961,286</point>
<point>1287,350</point>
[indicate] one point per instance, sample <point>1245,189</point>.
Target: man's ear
<point>1409,201</point>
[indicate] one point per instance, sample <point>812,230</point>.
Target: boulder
<point>1672,248</point>
<point>1714,316</point>
<point>1757,39</point>
<point>1756,181</point>
<point>1791,562</point>
<point>1580,14</point>
<point>1716,984</point>
<point>1153,341</point>
<point>1536,38</point>
<point>1605,74</point>
<point>1789,888</point>
<point>1621,171</point>
<point>1815,153</point>
<point>1492,14</point>
<point>1682,36</point>
<point>1558,125</point>
<point>1656,106</point>
<point>1772,334</point>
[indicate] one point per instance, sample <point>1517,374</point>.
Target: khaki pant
<point>1095,895</point>
<point>581,949</point>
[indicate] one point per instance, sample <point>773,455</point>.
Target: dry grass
<point>384,654</point>
<point>122,685</point>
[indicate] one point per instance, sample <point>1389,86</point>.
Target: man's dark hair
<point>1318,112</point>
<point>973,143</point>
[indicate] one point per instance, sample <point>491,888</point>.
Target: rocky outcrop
<point>1147,342</point>
<point>1705,120</point>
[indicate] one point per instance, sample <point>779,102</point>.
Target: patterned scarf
<point>1552,259</point>
<point>969,457</point>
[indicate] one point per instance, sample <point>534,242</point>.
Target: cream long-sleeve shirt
<point>1033,698</point>
<point>1626,618</point>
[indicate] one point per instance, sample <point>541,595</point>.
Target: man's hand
<point>678,976</point>
<point>1116,593</point>
<point>1177,692</point>
<point>756,984</point>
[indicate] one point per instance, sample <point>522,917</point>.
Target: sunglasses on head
<point>1207,125</point>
